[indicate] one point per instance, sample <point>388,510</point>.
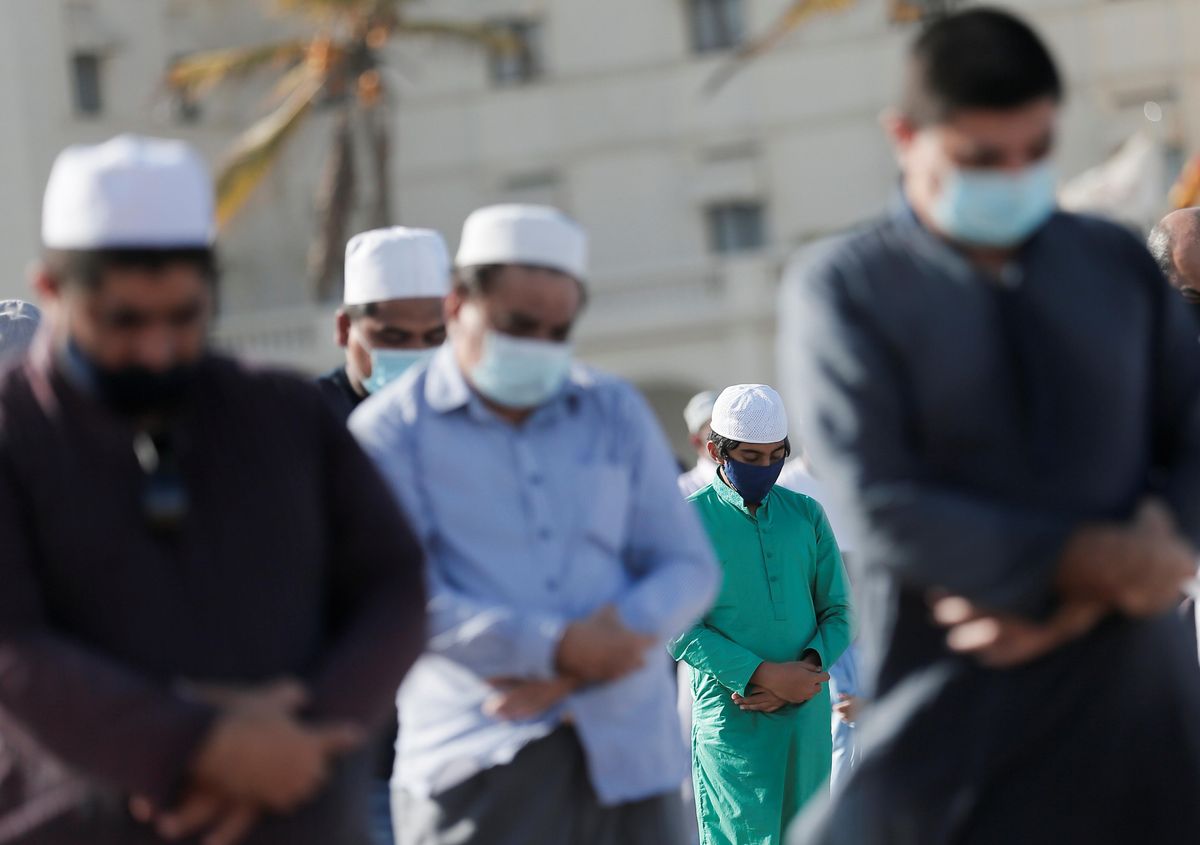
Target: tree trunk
<point>334,206</point>
<point>378,130</point>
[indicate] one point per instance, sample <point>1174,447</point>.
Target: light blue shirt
<point>528,528</point>
<point>843,679</point>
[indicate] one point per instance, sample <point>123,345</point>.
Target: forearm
<point>662,603</point>
<point>711,653</point>
<point>101,718</point>
<point>358,677</point>
<point>495,641</point>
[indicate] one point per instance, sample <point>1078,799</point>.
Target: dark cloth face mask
<point>752,481</point>
<point>134,391</point>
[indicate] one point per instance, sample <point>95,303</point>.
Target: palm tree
<point>801,11</point>
<point>336,68</point>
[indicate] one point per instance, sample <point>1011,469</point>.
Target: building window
<point>185,103</point>
<point>735,227</point>
<point>520,62</point>
<point>86,73</point>
<point>716,24</point>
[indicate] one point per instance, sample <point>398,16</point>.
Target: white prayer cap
<point>699,410</point>
<point>750,413</point>
<point>396,263</point>
<point>130,191</point>
<point>524,234</point>
<point>18,324</point>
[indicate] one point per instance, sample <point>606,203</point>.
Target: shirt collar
<point>734,499</point>
<point>947,256</point>
<point>447,390</point>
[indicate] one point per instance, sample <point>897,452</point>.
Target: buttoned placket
<point>769,554</point>
<point>772,560</point>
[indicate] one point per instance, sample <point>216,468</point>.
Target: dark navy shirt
<point>969,424</point>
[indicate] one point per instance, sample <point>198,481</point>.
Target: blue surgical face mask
<point>519,373</point>
<point>387,365</point>
<point>995,208</point>
<point>752,481</point>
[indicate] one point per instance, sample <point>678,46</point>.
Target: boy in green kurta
<point>761,745</point>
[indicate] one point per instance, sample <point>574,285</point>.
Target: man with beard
<point>209,596</point>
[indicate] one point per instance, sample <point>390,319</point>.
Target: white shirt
<point>698,477</point>
<point>795,477</point>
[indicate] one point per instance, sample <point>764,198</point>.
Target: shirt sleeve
<point>97,715</point>
<point>1176,398</point>
<point>831,595</point>
<point>489,638</point>
<point>854,420</point>
<point>676,575</point>
<point>377,590</point>
<point>712,653</point>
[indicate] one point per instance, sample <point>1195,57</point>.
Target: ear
<point>695,441</point>
<point>48,288</point>
<point>712,453</point>
<point>453,305</point>
<point>899,129</point>
<point>341,333</point>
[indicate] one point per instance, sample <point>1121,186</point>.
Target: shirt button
<point>551,584</point>
<point>544,534</point>
<point>770,554</point>
<point>535,479</point>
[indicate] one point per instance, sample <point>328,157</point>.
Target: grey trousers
<point>543,797</point>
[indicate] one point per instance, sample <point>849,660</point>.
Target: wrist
<point>766,676</point>
<point>1093,563</point>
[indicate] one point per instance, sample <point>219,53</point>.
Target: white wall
<point>619,118</point>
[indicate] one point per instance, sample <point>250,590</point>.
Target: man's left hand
<point>517,700</point>
<point>223,821</point>
<point>1000,640</point>
<point>759,701</point>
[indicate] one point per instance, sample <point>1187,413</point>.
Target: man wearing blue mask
<point>391,319</point>
<point>1006,399</point>
<point>761,744</point>
<point>560,558</point>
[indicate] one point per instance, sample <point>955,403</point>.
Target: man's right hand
<point>266,757</point>
<point>1139,568</point>
<point>600,648</point>
<point>795,682</point>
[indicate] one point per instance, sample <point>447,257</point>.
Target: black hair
<point>725,445</point>
<point>357,312</point>
<point>479,280</point>
<point>979,59</point>
<point>87,267</point>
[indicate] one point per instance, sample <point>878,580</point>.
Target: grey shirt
<point>970,425</point>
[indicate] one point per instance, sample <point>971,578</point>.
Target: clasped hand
<point>258,758</point>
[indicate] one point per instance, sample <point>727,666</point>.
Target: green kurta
<point>784,592</point>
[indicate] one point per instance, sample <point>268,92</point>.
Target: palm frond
<point>334,204</point>
<point>791,19</point>
<point>201,71</point>
<point>255,152</point>
<point>325,8</point>
<point>495,38</point>
<point>288,83</point>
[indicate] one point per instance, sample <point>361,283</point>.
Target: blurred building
<point>693,200</point>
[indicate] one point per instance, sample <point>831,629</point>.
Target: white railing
<point>299,336</point>
<point>646,306</point>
